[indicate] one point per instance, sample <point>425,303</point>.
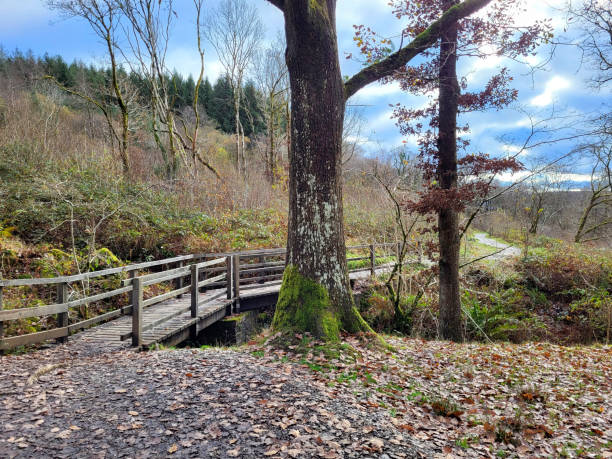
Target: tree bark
<point>315,295</point>
<point>450,326</point>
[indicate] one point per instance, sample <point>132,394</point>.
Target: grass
<point>362,264</point>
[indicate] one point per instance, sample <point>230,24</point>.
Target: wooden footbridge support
<point>161,306</point>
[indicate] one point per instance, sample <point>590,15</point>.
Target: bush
<point>503,315</point>
<point>133,220</point>
<point>593,312</point>
<point>563,271</point>
<point>414,318</point>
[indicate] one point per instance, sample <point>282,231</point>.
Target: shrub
<point>593,312</point>
<point>562,270</point>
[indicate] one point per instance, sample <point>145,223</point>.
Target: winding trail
<point>508,250</point>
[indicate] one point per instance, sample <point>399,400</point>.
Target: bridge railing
<point>230,273</point>
<point>195,271</point>
<point>67,297</point>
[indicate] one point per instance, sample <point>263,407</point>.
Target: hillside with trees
<point>481,321</point>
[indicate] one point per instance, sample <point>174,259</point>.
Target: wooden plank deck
<point>109,334</point>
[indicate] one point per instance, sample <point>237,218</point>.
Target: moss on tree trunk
<point>304,305</point>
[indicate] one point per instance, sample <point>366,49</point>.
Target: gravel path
<point>509,250</point>
<point>69,402</point>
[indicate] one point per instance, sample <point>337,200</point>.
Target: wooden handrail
<point>92,274</point>
<point>150,264</point>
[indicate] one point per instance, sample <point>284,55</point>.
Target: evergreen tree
<point>251,111</point>
<point>205,99</point>
<point>188,91</point>
<point>222,109</point>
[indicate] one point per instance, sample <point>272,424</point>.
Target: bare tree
<point>148,33</point>
<point>103,17</point>
<point>352,136</point>
<point>545,184</point>
<point>189,138</point>
<point>273,82</point>
<point>235,31</point>
<point>595,20</point>
<point>405,226</point>
<point>600,195</point>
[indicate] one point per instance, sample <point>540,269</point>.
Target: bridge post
<point>179,280</point>
<point>236,282</point>
<point>195,291</point>
<point>62,317</point>
<point>228,276</point>
<point>372,260</point>
<point>132,273</point>
<point>137,312</point>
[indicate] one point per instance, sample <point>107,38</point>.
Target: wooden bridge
<point>161,307</point>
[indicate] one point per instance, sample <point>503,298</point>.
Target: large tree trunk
<point>448,218</point>
<point>315,295</point>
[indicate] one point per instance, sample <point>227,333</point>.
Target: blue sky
<point>561,87</point>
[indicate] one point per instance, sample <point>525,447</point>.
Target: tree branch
<point>426,39</point>
<point>280,4</point>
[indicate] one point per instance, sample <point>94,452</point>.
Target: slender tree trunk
<point>288,127</point>
<point>270,166</point>
<point>315,295</point>
<point>243,150</point>
<point>448,218</point>
<point>237,121</point>
<point>533,229</point>
<point>172,145</point>
<point>123,144</point>
<point>583,219</point>
<point>536,205</point>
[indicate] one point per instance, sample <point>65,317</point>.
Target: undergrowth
<point>561,293</point>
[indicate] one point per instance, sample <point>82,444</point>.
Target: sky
<point>559,89</point>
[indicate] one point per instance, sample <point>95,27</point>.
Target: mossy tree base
<point>305,306</point>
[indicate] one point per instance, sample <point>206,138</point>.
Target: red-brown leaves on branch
<point>494,32</point>
<point>496,95</point>
<point>481,164</point>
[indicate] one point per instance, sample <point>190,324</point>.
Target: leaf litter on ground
<point>310,399</point>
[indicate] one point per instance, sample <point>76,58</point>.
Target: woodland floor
<point>424,399</point>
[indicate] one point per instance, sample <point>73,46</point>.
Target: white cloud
<point>529,11</point>
<point>357,139</point>
<point>376,90</point>
<point>512,149</point>
<point>557,178</point>
<point>551,178</point>
<point>553,86</point>
<point>382,121</point>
